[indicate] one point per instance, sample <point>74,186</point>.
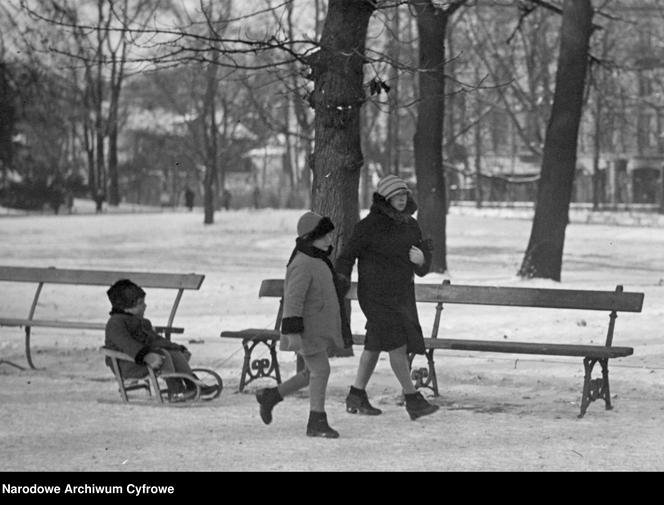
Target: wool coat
<point>134,336</point>
<point>386,291</point>
<point>311,319</point>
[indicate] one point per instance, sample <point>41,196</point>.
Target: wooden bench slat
<point>100,277</point>
<point>75,325</point>
<point>598,351</point>
<point>503,296</point>
<point>530,297</point>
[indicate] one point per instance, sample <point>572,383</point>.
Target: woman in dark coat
<point>389,248</point>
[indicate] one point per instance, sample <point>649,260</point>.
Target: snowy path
<point>498,412</point>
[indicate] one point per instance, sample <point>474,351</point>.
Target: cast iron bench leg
<point>423,377</point>
<point>261,367</point>
<point>605,380</point>
<point>433,380</point>
<point>594,389</point>
<point>245,364</point>
<point>275,361</point>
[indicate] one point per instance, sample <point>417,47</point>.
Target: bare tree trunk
<point>222,156</point>
<point>117,78</point>
<point>337,71</point>
<point>543,257</point>
<point>478,154</point>
<point>99,137</point>
<point>88,142</point>
<point>7,113</point>
<point>288,164</point>
<point>365,197</point>
<point>113,188</point>
<point>596,152</point>
<point>432,201</point>
<point>392,145</point>
<point>600,103</point>
<point>211,145</point>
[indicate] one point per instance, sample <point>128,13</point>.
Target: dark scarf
<point>382,206</point>
<point>306,247</point>
<point>115,310</point>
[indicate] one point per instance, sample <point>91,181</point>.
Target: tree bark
<point>544,254</point>
<point>115,84</point>
<point>432,201</point>
<point>337,72</point>
<point>8,115</point>
<point>392,161</point>
<point>210,125</point>
<point>117,79</point>
<point>478,151</point>
<point>98,95</point>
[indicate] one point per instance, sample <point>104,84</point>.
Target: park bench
<point>51,275</point>
<point>446,293</point>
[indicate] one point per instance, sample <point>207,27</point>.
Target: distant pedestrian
<point>189,198</point>
<point>56,197</point>
<point>257,197</point>
<point>69,201</point>
<point>226,198</point>
<point>99,200</point>
<point>164,199</point>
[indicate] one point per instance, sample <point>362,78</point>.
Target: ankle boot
<point>417,406</point>
<point>357,401</point>
<point>267,398</point>
<point>318,427</point>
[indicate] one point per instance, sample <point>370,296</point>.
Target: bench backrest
<point>440,294</point>
<point>531,297</point>
<point>493,295</point>
<point>53,275</point>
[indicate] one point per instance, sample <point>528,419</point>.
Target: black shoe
<point>417,406</point>
<point>267,398</point>
<point>357,402</point>
<point>318,427</point>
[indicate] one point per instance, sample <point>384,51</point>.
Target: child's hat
<point>313,226</point>
<point>391,185</point>
<point>124,294</point>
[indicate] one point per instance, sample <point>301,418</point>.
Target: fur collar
<point>382,206</point>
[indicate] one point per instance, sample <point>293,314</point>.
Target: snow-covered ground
<point>498,412</point>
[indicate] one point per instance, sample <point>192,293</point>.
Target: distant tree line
<point>96,92</point>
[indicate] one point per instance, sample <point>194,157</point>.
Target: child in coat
<point>313,321</point>
<point>129,332</point>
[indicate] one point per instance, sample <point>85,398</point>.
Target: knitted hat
<point>313,226</point>
<point>391,185</point>
<point>124,294</point>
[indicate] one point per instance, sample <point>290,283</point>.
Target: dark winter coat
<point>386,291</point>
<point>134,336</point>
